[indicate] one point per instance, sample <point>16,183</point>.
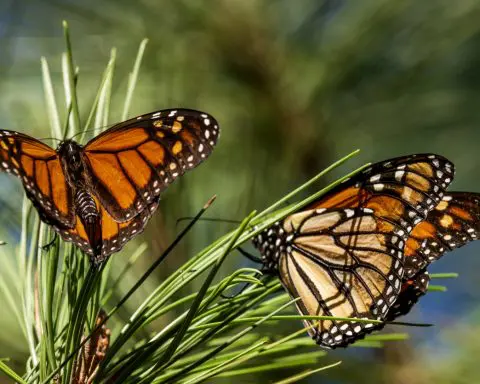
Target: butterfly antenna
<point>50,138</point>
<point>90,130</point>
<point>405,324</point>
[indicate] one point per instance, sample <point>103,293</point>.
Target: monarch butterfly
<point>360,250</point>
<point>100,195</point>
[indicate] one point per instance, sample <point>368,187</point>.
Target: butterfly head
<point>271,243</point>
<point>70,153</point>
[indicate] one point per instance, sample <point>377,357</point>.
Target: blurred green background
<point>294,85</point>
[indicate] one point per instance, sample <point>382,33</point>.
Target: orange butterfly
<point>100,195</point>
<point>347,254</point>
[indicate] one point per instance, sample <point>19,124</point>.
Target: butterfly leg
<point>47,246</point>
<point>249,256</point>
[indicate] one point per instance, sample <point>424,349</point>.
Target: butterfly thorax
<point>73,163</point>
<point>272,243</point>
<point>70,153</point>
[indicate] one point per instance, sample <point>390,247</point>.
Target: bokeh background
<point>294,85</point>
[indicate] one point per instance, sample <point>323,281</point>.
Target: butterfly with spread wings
<point>356,251</point>
<point>100,195</point>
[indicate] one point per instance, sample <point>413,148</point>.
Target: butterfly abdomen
<point>89,215</point>
<point>85,206</point>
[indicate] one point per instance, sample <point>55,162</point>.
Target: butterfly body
<point>101,194</point>
<point>75,168</point>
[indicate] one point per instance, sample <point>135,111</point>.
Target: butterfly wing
<point>342,263</point>
<point>402,189</point>
<point>133,162</point>
<point>454,222</point>
<point>40,169</point>
<point>114,234</point>
<point>412,289</point>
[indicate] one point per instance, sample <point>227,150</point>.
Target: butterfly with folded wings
<point>361,250</point>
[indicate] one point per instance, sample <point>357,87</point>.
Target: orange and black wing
<point>454,222</point>
<point>403,190</point>
<point>133,162</point>
<point>411,291</point>
<point>114,234</point>
<point>40,169</point>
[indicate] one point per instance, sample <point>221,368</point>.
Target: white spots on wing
<point>206,122</point>
<point>172,113</point>
<point>200,147</point>
<point>399,175</point>
<point>349,212</point>
<point>207,134</point>
<point>378,187</point>
<point>447,237</point>
<point>154,116</point>
<point>375,178</point>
